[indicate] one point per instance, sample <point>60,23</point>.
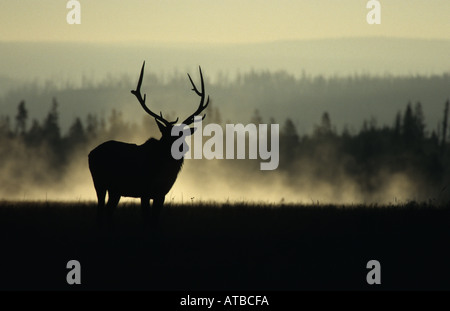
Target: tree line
<point>405,147</point>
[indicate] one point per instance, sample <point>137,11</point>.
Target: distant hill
<point>75,61</point>
<point>352,79</point>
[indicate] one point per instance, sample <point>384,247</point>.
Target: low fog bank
<point>226,181</point>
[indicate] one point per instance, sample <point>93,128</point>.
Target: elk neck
<point>162,150</point>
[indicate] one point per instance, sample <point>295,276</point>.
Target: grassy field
<point>225,247</point>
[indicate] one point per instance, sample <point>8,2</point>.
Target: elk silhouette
<point>146,171</point>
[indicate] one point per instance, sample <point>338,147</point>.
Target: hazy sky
<point>219,20</point>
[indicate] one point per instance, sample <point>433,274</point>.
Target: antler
<point>141,100</point>
<point>189,120</point>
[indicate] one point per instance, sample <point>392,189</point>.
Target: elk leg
<point>145,207</point>
<point>101,193</point>
<point>113,200</point>
<point>157,207</point>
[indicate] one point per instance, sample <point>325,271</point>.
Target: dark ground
<point>226,247</point>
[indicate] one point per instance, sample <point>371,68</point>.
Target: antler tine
<point>201,106</point>
<point>141,100</point>
<point>194,88</point>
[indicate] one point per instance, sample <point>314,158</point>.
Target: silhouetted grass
<point>201,246</point>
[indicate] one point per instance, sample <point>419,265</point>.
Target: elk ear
<point>162,127</point>
<point>192,130</point>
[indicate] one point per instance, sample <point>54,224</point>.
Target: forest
<point>377,163</point>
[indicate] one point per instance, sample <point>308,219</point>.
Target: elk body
<point>146,171</point>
